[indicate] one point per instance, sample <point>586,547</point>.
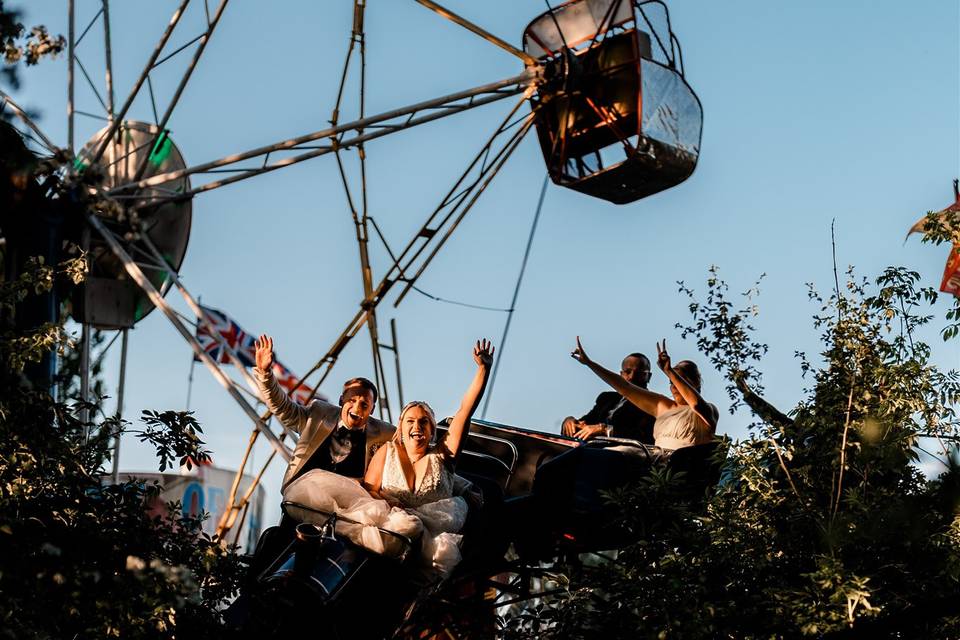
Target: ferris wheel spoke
<point>437,229</point>
<point>90,83</point>
<point>93,116</point>
<point>151,63</point>
<point>137,275</point>
<point>27,120</point>
<point>203,39</point>
<point>71,53</point>
<point>375,126</point>
<point>108,57</point>
<point>480,31</point>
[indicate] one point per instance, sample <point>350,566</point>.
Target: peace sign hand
<point>663,358</point>
<point>483,353</point>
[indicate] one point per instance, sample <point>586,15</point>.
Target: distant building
<point>206,489</point>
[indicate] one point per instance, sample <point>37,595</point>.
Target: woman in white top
<point>412,470</point>
<point>414,473</point>
<point>682,421</point>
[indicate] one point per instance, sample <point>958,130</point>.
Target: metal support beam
<point>141,280</point>
<point>230,513</point>
<point>402,118</point>
<point>71,58</point>
<point>85,349</point>
<point>361,218</point>
<point>108,59</point>
<point>480,31</point>
<point>27,120</point>
<point>396,359</point>
<point>115,472</point>
<point>204,319</point>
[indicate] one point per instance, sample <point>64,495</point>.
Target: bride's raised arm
<point>460,425</point>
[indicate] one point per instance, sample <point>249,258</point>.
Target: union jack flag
<point>234,336</point>
<point>244,345</point>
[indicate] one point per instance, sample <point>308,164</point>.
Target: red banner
<point>951,273</point>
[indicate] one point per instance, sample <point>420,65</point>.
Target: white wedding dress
<point>429,509</point>
<point>433,502</point>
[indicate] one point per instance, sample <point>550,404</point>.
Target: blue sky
<point>814,111</point>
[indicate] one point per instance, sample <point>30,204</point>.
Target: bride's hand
<point>483,353</point>
<point>579,354</point>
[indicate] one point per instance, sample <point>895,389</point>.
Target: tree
<point>822,525</point>
<point>80,558</point>
<point>20,45</point>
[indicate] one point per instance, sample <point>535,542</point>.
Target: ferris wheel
<point>601,82</point>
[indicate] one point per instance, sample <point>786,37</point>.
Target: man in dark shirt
<point>612,414</point>
<point>334,438</point>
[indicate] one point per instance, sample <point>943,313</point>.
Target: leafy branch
<point>175,436</point>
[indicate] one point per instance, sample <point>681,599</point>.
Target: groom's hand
<point>264,353</point>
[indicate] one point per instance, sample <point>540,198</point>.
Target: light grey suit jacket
<point>314,423</point>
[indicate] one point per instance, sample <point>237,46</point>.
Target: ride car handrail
<point>444,424</point>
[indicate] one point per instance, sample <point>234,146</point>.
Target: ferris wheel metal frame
<point>134,192</point>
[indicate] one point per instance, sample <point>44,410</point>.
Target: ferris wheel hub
<point>109,299</point>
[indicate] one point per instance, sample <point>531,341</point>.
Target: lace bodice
<point>680,427</point>
<point>436,484</point>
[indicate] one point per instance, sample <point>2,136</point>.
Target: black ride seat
<point>700,466</point>
<point>485,535</point>
<point>568,507</point>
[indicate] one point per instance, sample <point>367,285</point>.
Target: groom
<point>338,439</point>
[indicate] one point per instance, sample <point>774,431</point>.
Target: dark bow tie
<point>342,433</point>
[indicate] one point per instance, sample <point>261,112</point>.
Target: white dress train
<point>430,509</point>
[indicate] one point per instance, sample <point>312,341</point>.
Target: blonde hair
<point>398,434</point>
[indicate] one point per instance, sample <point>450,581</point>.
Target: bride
<point>413,473</point>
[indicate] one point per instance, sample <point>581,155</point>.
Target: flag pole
<point>193,364</point>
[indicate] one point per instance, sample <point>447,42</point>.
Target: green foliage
<point>17,349</point>
<point>174,436</point>
<point>80,558</point>
<point>20,45</point>
<point>723,333</point>
<point>939,228</point>
<point>823,525</point>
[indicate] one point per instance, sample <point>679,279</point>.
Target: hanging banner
<point>951,273</point>
<point>920,226</point>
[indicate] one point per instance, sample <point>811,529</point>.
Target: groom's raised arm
<point>291,414</point>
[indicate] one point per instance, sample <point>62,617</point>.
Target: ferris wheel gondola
<point>617,121</point>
